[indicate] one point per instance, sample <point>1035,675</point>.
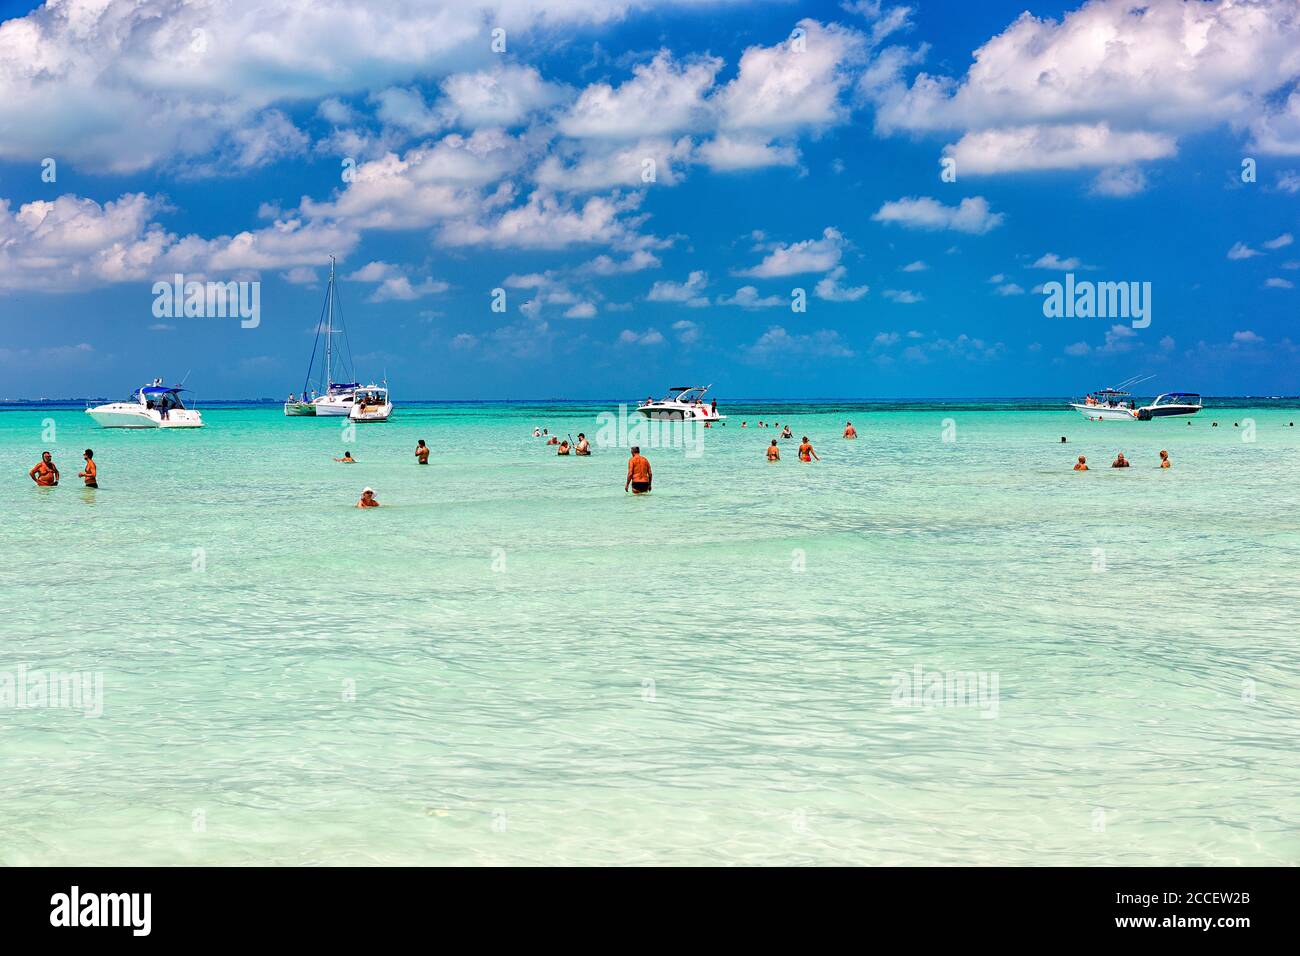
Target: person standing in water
<point>584,447</point>
<point>639,476</point>
<point>1120,462</point>
<point>91,474</point>
<point>1081,464</point>
<point>774,451</point>
<point>850,431</point>
<point>45,473</point>
<point>1164,459</point>
<point>422,452</point>
<point>368,499</point>
<point>806,452</point>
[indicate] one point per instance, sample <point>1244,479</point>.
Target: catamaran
<point>150,406</point>
<point>685,403</point>
<point>337,391</point>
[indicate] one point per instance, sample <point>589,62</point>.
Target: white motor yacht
<point>150,406</point>
<point>370,403</point>
<point>684,403</point>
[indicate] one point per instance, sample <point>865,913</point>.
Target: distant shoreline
<point>1024,403</point>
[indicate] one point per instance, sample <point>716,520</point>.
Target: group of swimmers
<point>581,447</point>
<point>46,473</point>
<point>1122,462</point>
<point>806,452</point>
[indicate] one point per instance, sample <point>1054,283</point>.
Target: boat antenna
<point>1130,382</point>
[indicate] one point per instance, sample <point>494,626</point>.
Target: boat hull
<point>127,415</point>
<point>1101,413</point>
<point>669,414</point>
<point>300,409</point>
<point>333,406</point>
<point>372,413</point>
<point>1166,411</point>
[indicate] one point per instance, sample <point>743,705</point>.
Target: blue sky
<point>795,146</point>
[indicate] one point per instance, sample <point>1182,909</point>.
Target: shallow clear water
<point>514,662</point>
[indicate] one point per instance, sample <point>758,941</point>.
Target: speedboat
<point>1171,403</point>
<point>682,404</point>
<point>150,406</point>
<point>1107,405</point>
<point>1111,404</point>
<point>370,404</point>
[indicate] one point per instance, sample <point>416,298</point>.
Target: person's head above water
<point>420,443</point>
<point>636,449</point>
<point>89,453</point>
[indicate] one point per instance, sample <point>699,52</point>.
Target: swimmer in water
<point>553,441</point>
<point>537,433</point>
<point>1082,464</point>
<point>347,458</point>
<point>773,451</point>
<point>564,448</point>
<point>850,431</point>
<point>584,447</point>
<point>91,474</point>
<point>368,499</point>
<point>787,433</point>
<point>422,452</point>
<point>1164,459</point>
<point>45,473</point>
<point>639,476</point>
<point>1120,461</point>
<point>806,452</point>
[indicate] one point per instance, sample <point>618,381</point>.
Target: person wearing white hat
<point>368,499</point>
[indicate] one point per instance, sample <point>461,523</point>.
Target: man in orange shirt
<point>639,477</point>
<point>45,473</point>
<point>91,474</point>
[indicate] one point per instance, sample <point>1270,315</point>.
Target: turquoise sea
<point>513,662</point>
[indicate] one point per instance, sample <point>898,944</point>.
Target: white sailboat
<point>336,396</point>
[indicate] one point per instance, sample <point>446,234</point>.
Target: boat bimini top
<point>686,393</point>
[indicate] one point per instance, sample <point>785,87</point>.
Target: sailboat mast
<point>329,332</point>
